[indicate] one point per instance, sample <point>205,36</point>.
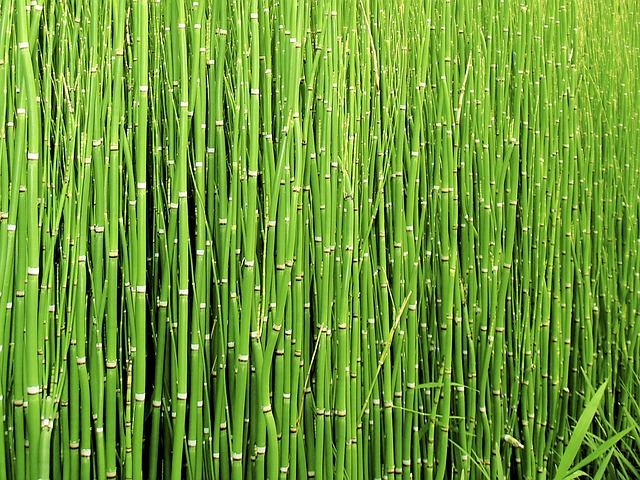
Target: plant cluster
<point>319,239</point>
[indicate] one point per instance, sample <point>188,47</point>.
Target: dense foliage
<point>315,238</point>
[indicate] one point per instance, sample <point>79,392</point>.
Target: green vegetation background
<point>319,239</point>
